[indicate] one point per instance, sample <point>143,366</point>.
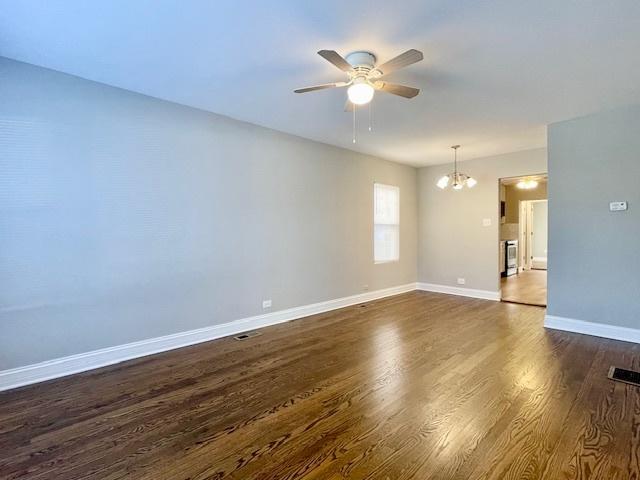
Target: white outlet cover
<point>461,281</point>
<point>266,304</point>
<point>486,222</point>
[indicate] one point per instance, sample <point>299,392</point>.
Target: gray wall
<point>594,262</point>
<point>452,239</point>
<point>123,217</point>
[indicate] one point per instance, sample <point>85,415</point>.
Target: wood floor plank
<point>528,287</point>
<point>416,386</point>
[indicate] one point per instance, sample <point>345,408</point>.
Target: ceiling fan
<point>364,75</point>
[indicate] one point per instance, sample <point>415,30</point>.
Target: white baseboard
<point>82,362</point>
<point>590,328</point>
<point>539,263</point>
<point>461,291</point>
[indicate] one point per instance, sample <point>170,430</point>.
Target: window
<point>386,223</point>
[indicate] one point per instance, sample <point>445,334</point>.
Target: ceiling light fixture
<point>458,180</point>
<point>527,184</point>
<point>361,92</point>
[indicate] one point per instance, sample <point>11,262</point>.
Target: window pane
<point>386,243</point>
<point>387,204</point>
<point>386,231</point>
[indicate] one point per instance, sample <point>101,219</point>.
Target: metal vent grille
<point>247,335</point>
<point>626,376</point>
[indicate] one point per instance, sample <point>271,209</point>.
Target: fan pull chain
<point>370,115</point>
<point>354,123</point>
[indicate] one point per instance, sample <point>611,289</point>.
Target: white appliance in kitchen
<point>511,257</point>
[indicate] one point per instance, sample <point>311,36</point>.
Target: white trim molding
<point>539,263</point>
<point>461,291</point>
<point>60,367</point>
<point>590,328</point>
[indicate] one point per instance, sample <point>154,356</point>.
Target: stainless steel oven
<point>511,257</point>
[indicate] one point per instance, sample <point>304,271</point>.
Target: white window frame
<point>376,223</point>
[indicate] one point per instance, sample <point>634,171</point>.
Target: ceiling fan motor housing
<point>361,59</point>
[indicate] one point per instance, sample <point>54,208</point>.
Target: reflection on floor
<point>528,287</point>
<point>412,387</point>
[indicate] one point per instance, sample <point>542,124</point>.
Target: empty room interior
<point>319,240</point>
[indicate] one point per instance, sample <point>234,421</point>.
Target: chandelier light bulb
<point>443,182</point>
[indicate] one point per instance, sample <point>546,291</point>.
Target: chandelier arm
<point>455,159</point>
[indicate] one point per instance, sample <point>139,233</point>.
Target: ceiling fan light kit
<point>360,92</point>
<point>456,179</point>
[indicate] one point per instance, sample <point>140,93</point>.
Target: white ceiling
<point>495,72</point>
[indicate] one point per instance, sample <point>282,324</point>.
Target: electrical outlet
<point>461,281</point>
<point>266,304</point>
<point>365,288</point>
<point>486,222</point>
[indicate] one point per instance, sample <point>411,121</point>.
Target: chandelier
<point>457,179</point>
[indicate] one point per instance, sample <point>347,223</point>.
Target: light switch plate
<point>617,206</point>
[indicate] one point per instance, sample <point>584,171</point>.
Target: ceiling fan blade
<point>321,87</point>
<point>401,61</point>
<point>335,58</point>
<point>402,90</point>
<point>348,106</point>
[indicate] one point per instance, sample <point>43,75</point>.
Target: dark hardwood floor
<point>421,386</point>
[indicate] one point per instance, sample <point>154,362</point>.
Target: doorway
<point>533,234</point>
<point>523,239</point>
